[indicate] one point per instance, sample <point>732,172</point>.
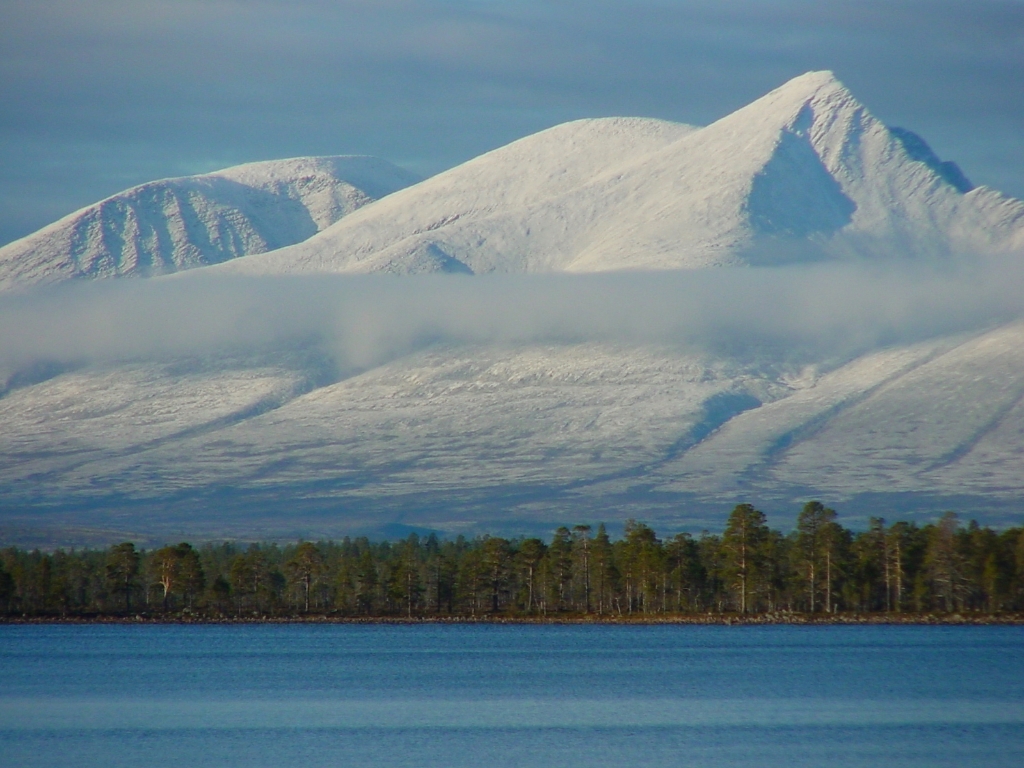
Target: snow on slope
<point>804,171</point>
<point>500,212</point>
<point>174,224</point>
<point>93,416</point>
<point>439,420</point>
<point>943,417</point>
<point>451,437</point>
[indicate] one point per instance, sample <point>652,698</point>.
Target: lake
<point>434,695</point>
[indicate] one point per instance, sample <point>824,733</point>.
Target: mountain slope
<point>946,417</point>
<point>514,438</point>
<point>804,172</point>
<point>175,224</point>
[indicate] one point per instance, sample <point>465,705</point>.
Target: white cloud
<point>817,313</point>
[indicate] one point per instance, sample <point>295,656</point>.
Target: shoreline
<point>690,620</point>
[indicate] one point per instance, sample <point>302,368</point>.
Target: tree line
<point>820,567</point>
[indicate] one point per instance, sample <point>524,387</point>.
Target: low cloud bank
<point>807,313</point>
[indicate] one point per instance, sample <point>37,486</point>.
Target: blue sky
<point>98,95</point>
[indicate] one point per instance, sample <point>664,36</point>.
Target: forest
<point>819,570</point>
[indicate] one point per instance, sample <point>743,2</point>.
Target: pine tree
<point>252,576</point>
<point>366,581</point>
<point>815,541</point>
<point>305,567</point>
<point>642,556</point>
<point>743,549</point>
<point>559,558</point>
<point>496,555</point>
<point>581,549</point>
<point>191,578</point>
<point>943,563</point>
<point>603,568</point>
<point>6,589</point>
<point>122,570</point>
<point>899,546</point>
<point>528,557</point>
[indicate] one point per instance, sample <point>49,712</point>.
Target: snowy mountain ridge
<point>175,224</point>
<point>512,433</point>
<point>805,172</point>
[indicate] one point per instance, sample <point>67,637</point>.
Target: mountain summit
<point>175,224</point>
<point>805,172</point>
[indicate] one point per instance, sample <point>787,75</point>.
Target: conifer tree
<point>305,567</point>
<point>559,557</point>
<point>642,552</point>
<point>6,589</point>
<point>815,542</point>
<point>529,556</point>
<point>366,581</point>
<point>581,548</point>
<point>252,576</point>
<point>943,562</point>
<point>191,578</point>
<point>495,561</point>
<point>743,547</point>
<point>898,543</point>
<point>1016,545</point>
<point>603,568</point>
<point>122,570</point>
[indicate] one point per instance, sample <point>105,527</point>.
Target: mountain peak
<point>812,81</point>
<point>807,97</point>
<point>179,223</point>
<point>819,86</point>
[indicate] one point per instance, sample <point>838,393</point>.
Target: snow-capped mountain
<point>803,173</point>
<point>175,224</point>
<point>480,434</point>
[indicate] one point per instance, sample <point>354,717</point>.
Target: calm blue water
<point>289,696</point>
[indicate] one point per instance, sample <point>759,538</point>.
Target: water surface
<point>377,695</point>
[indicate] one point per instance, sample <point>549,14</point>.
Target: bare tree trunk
<point>813,585</point>
<point>743,572</point>
<point>529,597</point>
<point>437,586</point>
<point>888,576</point>
<point>586,574</point>
<point>828,580</point>
<point>899,578</point>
